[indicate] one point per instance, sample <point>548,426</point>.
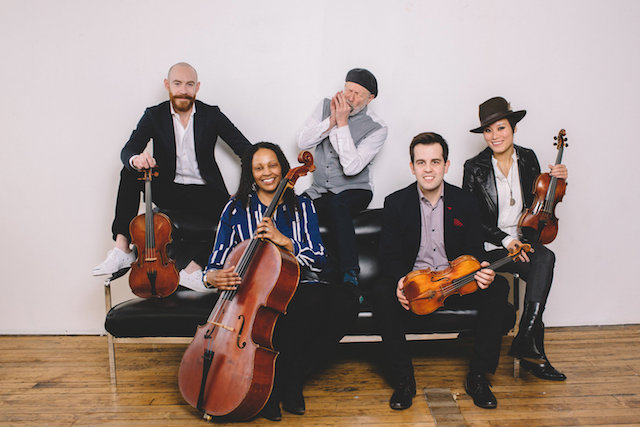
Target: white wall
<point>77,75</point>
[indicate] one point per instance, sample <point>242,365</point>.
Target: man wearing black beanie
<point>346,136</point>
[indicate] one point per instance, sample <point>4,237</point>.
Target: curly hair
<point>246,175</point>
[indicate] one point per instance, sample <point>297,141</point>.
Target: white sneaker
<point>116,260</point>
<point>193,281</point>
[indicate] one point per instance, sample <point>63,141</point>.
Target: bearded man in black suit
<point>425,225</point>
<point>184,133</point>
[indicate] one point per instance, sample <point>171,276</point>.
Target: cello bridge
<point>230,329</point>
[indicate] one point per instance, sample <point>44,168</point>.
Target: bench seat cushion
<point>179,315</point>
<point>175,316</point>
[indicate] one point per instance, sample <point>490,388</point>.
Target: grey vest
<point>328,175</point>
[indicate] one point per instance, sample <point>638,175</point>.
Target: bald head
<point>183,66</point>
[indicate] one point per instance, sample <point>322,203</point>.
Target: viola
<point>228,369</point>
<point>539,222</point>
<point>153,274</point>
<point>426,290</point>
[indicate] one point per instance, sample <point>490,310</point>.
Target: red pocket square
<point>457,223</point>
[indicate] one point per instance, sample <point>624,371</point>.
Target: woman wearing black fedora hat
<point>502,177</point>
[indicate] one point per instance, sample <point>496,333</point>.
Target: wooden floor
<point>64,380</point>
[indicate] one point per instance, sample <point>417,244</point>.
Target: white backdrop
<point>77,75</point>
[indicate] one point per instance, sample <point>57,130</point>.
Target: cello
<point>540,219</point>
<point>228,369</point>
<point>426,290</point>
<point>153,273</point>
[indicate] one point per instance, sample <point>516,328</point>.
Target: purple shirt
<point>432,253</point>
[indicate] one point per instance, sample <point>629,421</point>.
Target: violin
<point>153,274</point>
<point>539,220</point>
<point>426,290</point>
<point>228,369</point>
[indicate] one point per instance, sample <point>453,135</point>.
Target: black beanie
<point>364,78</point>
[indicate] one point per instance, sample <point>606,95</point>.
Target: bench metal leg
<point>110,344</point>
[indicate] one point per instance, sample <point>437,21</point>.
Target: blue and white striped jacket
<point>301,226</point>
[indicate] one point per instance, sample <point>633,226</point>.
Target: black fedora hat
<point>495,109</point>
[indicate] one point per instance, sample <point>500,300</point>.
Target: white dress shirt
<point>508,215</point>
<point>187,171</point>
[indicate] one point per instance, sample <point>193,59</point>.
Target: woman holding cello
<point>502,177</point>
<point>298,335</point>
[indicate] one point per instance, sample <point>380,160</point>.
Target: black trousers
<point>336,212</point>
<point>318,316</point>
<point>538,273</point>
<point>491,304</point>
<point>198,200</point>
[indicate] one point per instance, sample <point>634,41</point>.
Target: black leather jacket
<point>480,180</point>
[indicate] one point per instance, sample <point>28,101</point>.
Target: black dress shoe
<point>293,401</point>
<point>477,386</point>
<point>402,397</point>
<point>544,372</point>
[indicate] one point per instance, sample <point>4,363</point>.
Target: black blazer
<point>401,227</point>
<point>208,123</point>
<point>480,180</point>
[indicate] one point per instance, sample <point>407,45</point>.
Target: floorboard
<point>64,381</point>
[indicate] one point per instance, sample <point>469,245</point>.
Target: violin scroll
<point>561,139</point>
<point>525,247</point>
<point>306,158</point>
<point>148,174</point>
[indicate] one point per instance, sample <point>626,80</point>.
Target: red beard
<point>182,103</point>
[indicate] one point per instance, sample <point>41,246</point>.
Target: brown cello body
<point>539,222</point>
<point>228,369</point>
<point>238,337</point>
<point>153,273</point>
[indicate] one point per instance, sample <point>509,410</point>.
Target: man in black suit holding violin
<point>184,133</point>
<point>424,226</point>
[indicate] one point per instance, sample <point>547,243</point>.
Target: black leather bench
<point>162,320</point>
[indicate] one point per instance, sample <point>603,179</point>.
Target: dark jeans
<point>336,212</point>
<point>201,200</point>
<point>538,273</point>
<point>491,304</point>
<point>317,318</point>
